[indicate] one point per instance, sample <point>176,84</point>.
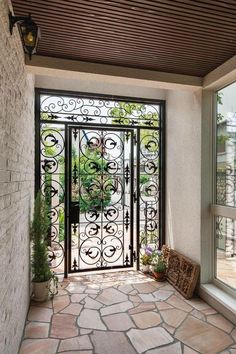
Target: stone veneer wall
<point>16,184</point>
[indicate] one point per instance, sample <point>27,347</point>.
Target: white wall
<point>102,86</point>
<point>16,184</point>
<point>183,172</point>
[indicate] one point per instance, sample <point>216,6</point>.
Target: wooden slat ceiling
<point>179,36</point>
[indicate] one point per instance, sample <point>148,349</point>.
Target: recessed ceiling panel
<point>179,36</point>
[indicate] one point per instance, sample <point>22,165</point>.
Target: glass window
<point>225,241</point>
<point>225,227</point>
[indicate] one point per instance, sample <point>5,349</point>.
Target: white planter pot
<point>41,290</point>
<point>145,268</point>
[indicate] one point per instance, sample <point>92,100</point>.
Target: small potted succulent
<point>146,259</point>
<point>159,267</point>
<point>43,277</point>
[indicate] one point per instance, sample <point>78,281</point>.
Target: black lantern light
<point>29,31</point>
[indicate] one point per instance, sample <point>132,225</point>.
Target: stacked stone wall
<point>16,184</point>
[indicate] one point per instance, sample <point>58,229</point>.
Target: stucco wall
<point>16,184</point>
<point>183,172</point>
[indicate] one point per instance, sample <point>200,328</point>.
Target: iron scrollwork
<point>103,178</point>
<point>52,186</point>
<point>92,110</point>
<point>100,190</point>
<point>149,188</point>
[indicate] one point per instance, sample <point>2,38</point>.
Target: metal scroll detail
<point>149,188</point>
<point>52,162</point>
<point>98,111</point>
<point>100,199</point>
<point>100,173</point>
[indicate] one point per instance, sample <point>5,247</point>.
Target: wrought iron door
<point>100,166</point>
<point>101,189</point>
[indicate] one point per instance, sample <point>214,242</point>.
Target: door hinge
<point>135,197</point>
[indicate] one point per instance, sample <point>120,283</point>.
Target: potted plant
<point>42,274</point>
<point>159,268</point>
<point>146,259</point>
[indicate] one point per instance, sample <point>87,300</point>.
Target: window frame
<point>218,209</point>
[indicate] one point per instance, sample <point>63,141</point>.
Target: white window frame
<point>216,209</point>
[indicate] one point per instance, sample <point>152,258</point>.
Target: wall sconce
<point>29,32</point>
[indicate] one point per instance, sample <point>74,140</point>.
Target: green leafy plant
<point>160,267</point>
<point>39,230</point>
<point>144,179</point>
<point>91,167</point>
<point>159,263</point>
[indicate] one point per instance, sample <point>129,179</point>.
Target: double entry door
<point>102,196</point>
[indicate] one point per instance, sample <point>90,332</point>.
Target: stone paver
<point>170,329</point>
<point>90,319</point>
<point>179,304</point>
<point>121,307</point>
<point>126,288</point>
<point>75,288</point>
<point>135,299</point>
<point>188,350</point>
<point>111,296</point>
<point>92,304</point>
<point>168,349</point>
<point>161,305</point>
<point>144,288</point>
<point>147,339</point>
<point>124,313</point>
<point>220,322</point>
<point>36,330</point>
<point>145,306</point>
<point>233,334</point>
<point>40,314</point>
<point>39,346</point>
<point>73,309</point>
<point>173,317</point>
<point>63,326</point>
<point>118,322</point>
<point>158,295</point>
<point>111,343</point>
<point>147,319</point>
<point>77,343</point>
<point>78,297</point>
<point>199,304</point>
<point>202,336</point>
<point>85,331</point>
<point>79,352</point>
<point>162,294</point>
<point>198,314</point>
<point>60,302</point>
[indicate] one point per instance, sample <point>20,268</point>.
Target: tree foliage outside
<point>125,112</point>
<point>94,187</point>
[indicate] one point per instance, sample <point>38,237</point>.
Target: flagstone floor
<point>124,313</point>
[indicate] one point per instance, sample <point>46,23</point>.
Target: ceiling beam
<point>73,69</point>
<point>222,76</point>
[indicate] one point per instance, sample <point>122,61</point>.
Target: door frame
<point>69,202</point>
<point>162,164</point>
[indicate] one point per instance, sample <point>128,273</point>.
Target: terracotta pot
<point>159,276</point>
<point>146,268</point>
<point>41,290</point>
